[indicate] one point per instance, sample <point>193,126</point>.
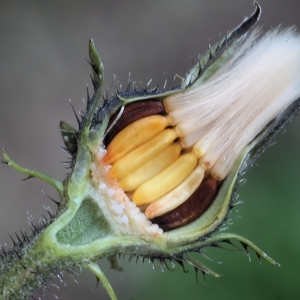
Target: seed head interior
<point>179,149</point>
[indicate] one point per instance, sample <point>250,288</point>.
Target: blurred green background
<point>43,46</point>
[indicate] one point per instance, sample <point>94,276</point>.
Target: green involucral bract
<point>91,224</point>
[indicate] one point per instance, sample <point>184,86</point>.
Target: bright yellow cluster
<point>151,165</point>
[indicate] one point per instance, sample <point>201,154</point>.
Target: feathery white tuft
<point>220,117</point>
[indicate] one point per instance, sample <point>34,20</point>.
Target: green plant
<point>87,225</point>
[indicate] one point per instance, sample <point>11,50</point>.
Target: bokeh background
<point>43,46</point>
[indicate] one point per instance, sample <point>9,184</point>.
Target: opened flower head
<point>170,153</point>
<point>154,172</point>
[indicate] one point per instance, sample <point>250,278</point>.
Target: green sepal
<point>94,268</point>
<point>229,237</point>
<point>69,135</point>
<point>113,263</point>
<point>217,55</point>
<point>58,185</point>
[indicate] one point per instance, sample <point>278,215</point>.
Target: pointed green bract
<point>100,275</point>
<point>69,135</point>
<point>58,185</point>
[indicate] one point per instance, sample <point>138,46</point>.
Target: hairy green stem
<point>28,269</point>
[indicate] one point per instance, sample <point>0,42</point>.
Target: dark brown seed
<point>191,209</point>
<point>132,112</point>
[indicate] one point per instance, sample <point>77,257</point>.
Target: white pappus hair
<point>224,114</point>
